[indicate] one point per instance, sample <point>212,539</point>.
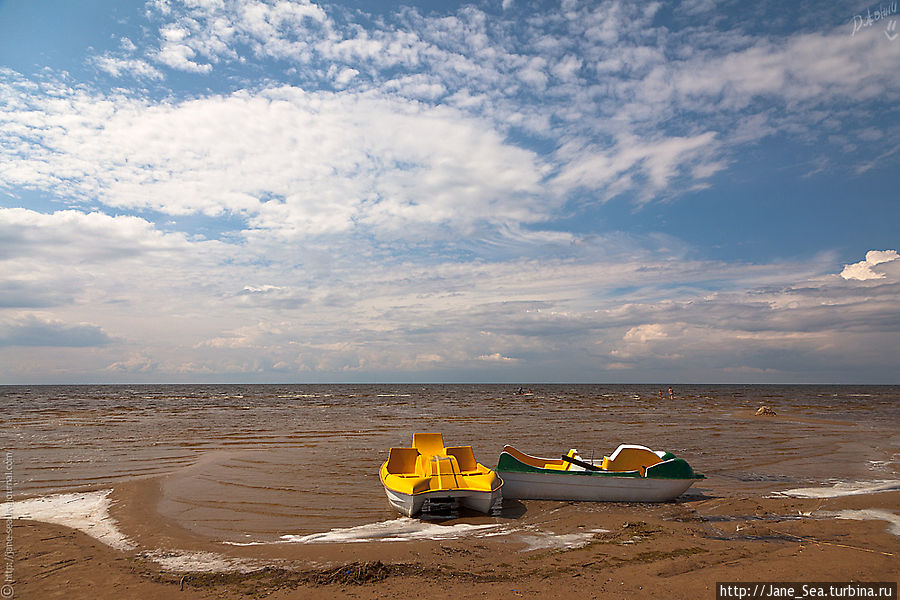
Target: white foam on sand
<point>197,562</point>
<point>405,530</point>
<point>552,541</point>
<point>397,530</point>
<point>869,514</point>
<point>844,489</point>
<point>87,512</point>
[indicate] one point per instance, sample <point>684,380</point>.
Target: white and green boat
<point>630,474</point>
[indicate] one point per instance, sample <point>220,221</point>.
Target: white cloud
<point>655,91</point>
<point>646,333</point>
<point>423,87</point>
<point>658,161</point>
<point>496,357</point>
<point>178,56</point>
<point>382,213</point>
<point>862,270</point>
<point>218,30</point>
<point>303,163</point>
<point>807,68</point>
<point>90,236</point>
<point>116,272</point>
<point>134,67</point>
<point>345,76</point>
<point>33,331</point>
<point>160,306</point>
<point>567,68</point>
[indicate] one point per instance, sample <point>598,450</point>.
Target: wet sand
<point>541,549</point>
<point>230,491</point>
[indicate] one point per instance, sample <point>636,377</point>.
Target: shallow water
<point>253,463</point>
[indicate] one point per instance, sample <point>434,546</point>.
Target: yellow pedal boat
<point>430,475</point>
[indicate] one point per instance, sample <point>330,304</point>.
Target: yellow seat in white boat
<point>430,467</point>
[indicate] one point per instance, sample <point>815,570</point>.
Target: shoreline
<point>552,550</point>
<point>199,498</point>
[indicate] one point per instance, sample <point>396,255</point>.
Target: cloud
<point>634,113</point>
<point>393,197</point>
<point>137,363</point>
<point>30,290</point>
<point>91,236</point>
<point>618,168</point>
<point>671,102</point>
<point>179,56</point>
<point>496,357</point>
<point>134,67</point>
<point>120,273</point>
<point>303,163</point>
<point>862,270</point>
<point>272,296</point>
<point>357,313</point>
<point>225,30</point>
<point>345,76</point>
<point>33,331</point>
<point>801,327</point>
<point>645,333</point>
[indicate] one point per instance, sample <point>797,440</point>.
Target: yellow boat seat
<point>534,461</point>
<point>402,461</point>
<point>631,458</point>
<point>465,457</point>
<point>429,467</point>
<point>429,444</point>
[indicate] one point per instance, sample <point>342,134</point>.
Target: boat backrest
<point>534,461</point>
<point>629,457</point>
<point>402,460</point>
<point>429,443</point>
<point>465,457</point>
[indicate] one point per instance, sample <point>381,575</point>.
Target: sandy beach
<point>556,550</point>
<point>631,267</point>
<point>183,493</point>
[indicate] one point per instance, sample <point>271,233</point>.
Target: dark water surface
<point>256,461</point>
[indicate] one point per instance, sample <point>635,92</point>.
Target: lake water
<point>239,462</point>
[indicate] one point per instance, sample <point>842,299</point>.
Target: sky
<point>496,191</point>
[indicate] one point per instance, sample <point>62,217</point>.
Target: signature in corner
<point>882,13</point>
<point>890,30</point>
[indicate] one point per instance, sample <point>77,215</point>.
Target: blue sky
<point>279,191</point>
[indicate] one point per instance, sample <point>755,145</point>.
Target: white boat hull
<point>411,504</point>
<point>568,486</point>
